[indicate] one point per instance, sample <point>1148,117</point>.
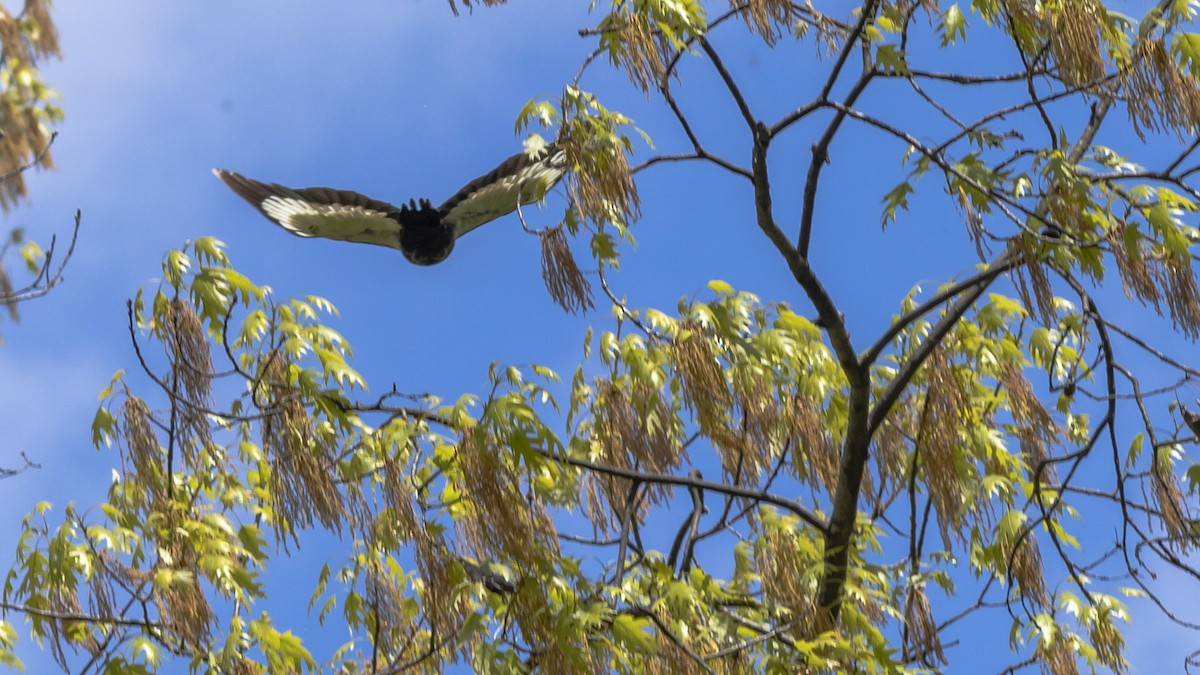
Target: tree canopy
<point>27,113</point>
<point>735,484</point>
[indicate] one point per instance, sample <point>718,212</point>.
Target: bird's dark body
<point>424,234</point>
<point>424,240</point>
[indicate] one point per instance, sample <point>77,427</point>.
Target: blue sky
<point>406,102</point>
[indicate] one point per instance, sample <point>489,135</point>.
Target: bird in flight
<point>424,234</point>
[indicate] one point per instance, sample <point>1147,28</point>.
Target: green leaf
<point>102,428</point>
<point>890,59</point>
<point>284,651</point>
<point>112,384</point>
<point>634,633</point>
<point>1186,48</point>
<point>953,25</point>
<point>604,247</point>
<point>896,199</point>
<point>721,288</point>
<point>1135,451</point>
<point>798,325</point>
<point>175,266</point>
<point>542,112</point>
<point>210,251</point>
<point>1167,226</point>
<point>1193,477</point>
<point>148,651</point>
<point>33,256</point>
<point>1007,306</point>
<point>1011,523</point>
<point>473,628</point>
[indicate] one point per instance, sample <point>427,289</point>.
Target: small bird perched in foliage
<point>424,234</point>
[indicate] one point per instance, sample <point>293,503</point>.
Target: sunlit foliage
<point>861,502</point>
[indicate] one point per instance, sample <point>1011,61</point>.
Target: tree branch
<point>686,481</point>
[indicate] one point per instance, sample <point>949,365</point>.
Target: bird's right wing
<point>320,212</point>
<point>519,179</point>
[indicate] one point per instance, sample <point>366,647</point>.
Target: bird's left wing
<point>320,212</point>
<point>520,178</point>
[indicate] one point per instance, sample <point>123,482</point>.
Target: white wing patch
<point>333,221</point>
<point>500,198</point>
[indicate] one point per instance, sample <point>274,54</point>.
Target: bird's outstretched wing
<point>424,234</point>
<point>519,178</point>
<point>321,212</point>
